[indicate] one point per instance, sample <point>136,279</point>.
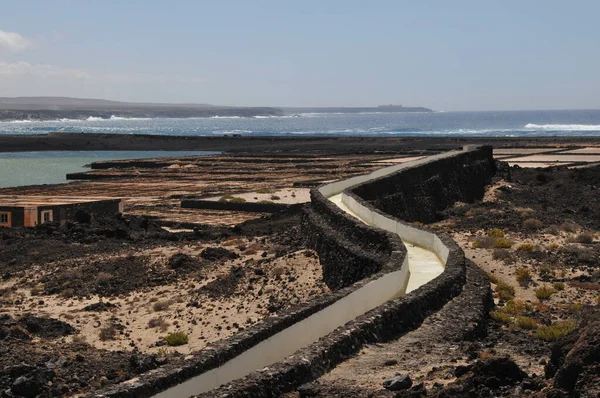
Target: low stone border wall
<point>254,207</point>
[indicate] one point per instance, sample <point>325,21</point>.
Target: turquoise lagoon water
<point>35,168</point>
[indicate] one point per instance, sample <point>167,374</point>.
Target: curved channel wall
<point>323,332</point>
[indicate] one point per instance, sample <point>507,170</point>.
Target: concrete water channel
<point>425,261</point>
<point>423,264</point>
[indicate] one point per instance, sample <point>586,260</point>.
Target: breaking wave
<point>563,127</point>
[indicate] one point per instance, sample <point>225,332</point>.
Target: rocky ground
<point>85,305</point>
<point>535,237</point>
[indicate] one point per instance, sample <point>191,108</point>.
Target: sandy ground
<point>283,282</point>
<point>283,196</point>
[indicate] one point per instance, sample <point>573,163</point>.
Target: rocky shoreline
<point>236,144</point>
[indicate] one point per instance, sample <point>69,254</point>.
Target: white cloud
<point>8,70</point>
<point>12,41</point>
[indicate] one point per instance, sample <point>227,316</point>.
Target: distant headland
<point>366,109</point>
<point>56,108</point>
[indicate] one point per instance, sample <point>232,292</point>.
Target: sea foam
<point>564,127</point>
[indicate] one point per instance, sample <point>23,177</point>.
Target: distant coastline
<point>367,109</point>
<point>57,108</point>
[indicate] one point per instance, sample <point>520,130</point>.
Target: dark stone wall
<point>348,249</point>
<point>419,193</point>
<point>235,206</point>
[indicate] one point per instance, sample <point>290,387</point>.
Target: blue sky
<point>447,55</point>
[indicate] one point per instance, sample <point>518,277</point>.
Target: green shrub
<point>544,292</point>
<point>232,199</point>
<point>514,307</point>
<point>501,316</point>
<point>505,291</point>
<point>527,323</point>
<point>496,233</point>
<point>176,338</point>
<point>525,247</point>
<point>523,276</point>
<point>555,331</point>
<point>559,286</point>
<point>502,243</point>
<point>275,197</point>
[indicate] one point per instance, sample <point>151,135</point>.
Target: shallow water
<point>34,168</point>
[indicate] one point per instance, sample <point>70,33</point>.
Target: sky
<point>445,55</point>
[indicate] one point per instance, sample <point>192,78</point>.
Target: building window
<point>46,216</point>
<point>5,218</point>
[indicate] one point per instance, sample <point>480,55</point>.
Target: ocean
<point>51,167</point>
<point>437,124</point>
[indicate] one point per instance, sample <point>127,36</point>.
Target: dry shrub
<point>546,271</point>
<point>568,226</point>
<point>553,229</point>
<point>523,277</point>
<point>532,223</point>
<point>503,255</point>
<point>103,277</point>
<point>108,333</point>
<point>277,271</point>
<point>493,278</point>
<point>485,242</point>
<point>159,322</point>
<point>161,305</point>
<point>67,293</point>
<point>585,238</point>
<point>266,190</point>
